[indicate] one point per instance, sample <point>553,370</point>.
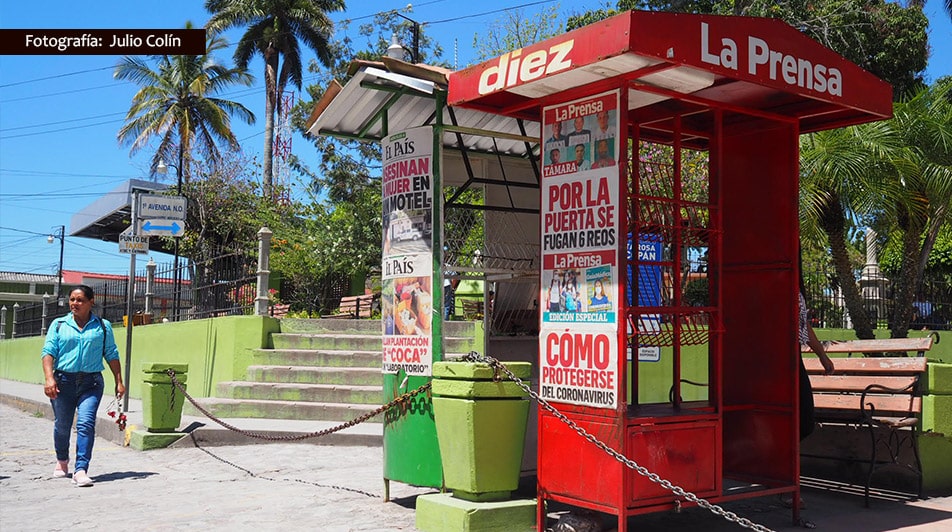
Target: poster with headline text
<point>407,266</point>
<point>581,221</point>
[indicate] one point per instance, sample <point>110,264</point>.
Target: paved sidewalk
<point>29,397</point>
<point>312,487</point>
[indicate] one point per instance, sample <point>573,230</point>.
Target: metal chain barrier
<point>498,366</point>
<point>297,437</point>
<point>272,479</point>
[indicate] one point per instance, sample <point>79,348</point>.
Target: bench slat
<point>887,345</point>
<point>871,366</point>
<point>349,305</point>
<point>856,383</point>
<point>885,405</point>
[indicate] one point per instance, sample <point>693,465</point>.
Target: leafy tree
<point>517,29</point>
<point>274,29</point>
<point>883,37</point>
<point>177,104</point>
<point>348,175</point>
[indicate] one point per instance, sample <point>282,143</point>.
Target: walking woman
<point>73,355</point>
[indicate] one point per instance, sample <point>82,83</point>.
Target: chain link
<point>497,366</point>
<point>297,437</point>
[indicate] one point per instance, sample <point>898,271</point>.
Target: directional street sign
<point>162,227</point>
<point>156,206</point>
<point>129,243</point>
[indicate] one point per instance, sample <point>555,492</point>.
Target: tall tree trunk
<point>270,84</point>
<point>834,225</point>
<point>910,274</point>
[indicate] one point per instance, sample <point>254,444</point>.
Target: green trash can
<point>481,428</point>
<point>161,401</point>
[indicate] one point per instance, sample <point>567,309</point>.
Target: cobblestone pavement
<point>262,487</point>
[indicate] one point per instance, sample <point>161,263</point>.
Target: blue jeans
<point>78,392</point>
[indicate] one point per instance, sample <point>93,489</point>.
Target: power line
<point>38,96</point>
<point>24,231</point>
<point>230,95</point>
<point>24,82</point>
<point>60,122</point>
<point>530,4</point>
<point>64,174</point>
<point>47,195</point>
<point>236,94</point>
<point>59,130</point>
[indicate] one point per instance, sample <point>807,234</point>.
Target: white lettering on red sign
<point>778,65</point>
<point>514,69</point>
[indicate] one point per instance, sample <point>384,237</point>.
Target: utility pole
<point>130,300</point>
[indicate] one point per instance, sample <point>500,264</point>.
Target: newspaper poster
<point>582,235</point>
<point>579,367</point>
<point>407,265</point>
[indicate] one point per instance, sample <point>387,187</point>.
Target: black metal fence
<point>932,308</point>
<point>225,284</point>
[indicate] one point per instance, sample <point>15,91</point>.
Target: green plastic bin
<point>161,401</point>
<point>481,428</point>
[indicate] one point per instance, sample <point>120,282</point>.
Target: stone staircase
<point>319,369</point>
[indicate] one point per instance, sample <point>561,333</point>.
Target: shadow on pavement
<point>123,475</point>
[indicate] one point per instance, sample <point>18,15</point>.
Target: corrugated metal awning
<point>111,214</point>
<point>378,101</point>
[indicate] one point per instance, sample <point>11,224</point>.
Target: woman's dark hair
<point>85,289</point>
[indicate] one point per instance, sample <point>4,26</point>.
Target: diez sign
<point>553,56</point>
<point>514,69</point>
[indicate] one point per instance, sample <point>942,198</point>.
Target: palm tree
<point>840,173</point>
<point>176,104</point>
<point>274,27</point>
<point>898,172</point>
<point>923,184</point>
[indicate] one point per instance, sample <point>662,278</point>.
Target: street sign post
<point>156,206</point>
<point>161,227</point>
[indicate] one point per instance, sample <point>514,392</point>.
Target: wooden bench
<point>881,394</point>
<point>279,310</point>
<point>472,309</point>
<point>877,347</point>
<point>355,307</point>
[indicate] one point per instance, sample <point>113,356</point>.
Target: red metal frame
<point>685,86</point>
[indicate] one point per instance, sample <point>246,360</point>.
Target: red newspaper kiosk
<point>670,140</point>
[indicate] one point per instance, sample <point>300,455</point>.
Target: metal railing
<point>221,285</point>
<point>932,308</point>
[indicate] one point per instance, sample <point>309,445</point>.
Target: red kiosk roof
<point>752,65</point>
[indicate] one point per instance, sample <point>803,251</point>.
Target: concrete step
<point>250,408</point>
<point>354,342</point>
<point>316,357</point>
<point>331,325</point>
<point>312,393</point>
<point>315,375</point>
<point>364,326</point>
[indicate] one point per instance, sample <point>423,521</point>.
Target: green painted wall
<point>216,350</point>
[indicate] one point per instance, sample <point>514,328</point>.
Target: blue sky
<point>59,115</point>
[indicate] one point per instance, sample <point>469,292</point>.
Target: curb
<point>201,432</point>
